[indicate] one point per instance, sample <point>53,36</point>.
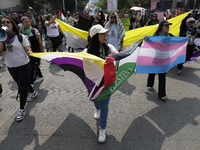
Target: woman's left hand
<point>28,52</point>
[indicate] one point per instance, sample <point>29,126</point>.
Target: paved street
<point>61,117</point>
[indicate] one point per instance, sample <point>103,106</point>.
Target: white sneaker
<point>20,115</point>
<point>39,79</point>
<point>102,135</point>
<point>97,114</point>
<point>149,88</point>
<point>31,96</point>
<point>163,98</point>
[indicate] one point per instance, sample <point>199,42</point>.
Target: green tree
<point>36,5</point>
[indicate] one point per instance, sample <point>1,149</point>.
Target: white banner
<point>112,5</point>
<point>153,4</point>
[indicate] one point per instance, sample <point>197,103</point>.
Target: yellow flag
<point>77,36</point>
<point>137,34</point>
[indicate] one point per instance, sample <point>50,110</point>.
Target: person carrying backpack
<point>36,46</point>
<point>16,49</point>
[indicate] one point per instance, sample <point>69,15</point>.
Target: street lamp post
<point>64,5</point>
<point>174,6</point>
<point>76,5</point>
<point>194,4</point>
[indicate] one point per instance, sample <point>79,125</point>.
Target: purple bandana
<point>11,37</point>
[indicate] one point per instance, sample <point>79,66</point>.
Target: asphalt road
<point>61,117</point>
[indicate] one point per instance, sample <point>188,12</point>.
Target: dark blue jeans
<point>103,106</point>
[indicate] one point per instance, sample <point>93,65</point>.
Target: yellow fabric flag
<point>137,34</point>
<point>130,36</point>
<point>67,28</point>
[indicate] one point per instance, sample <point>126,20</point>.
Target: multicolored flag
<point>61,16</point>
<point>76,38</point>
<point>124,63</point>
<point>101,78</point>
<point>131,36</point>
<point>158,54</point>
<point>89,68</point>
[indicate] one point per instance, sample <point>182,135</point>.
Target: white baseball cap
<point>191,20</point>
<point>98,29</point>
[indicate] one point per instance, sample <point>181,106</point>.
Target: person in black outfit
<point>36,46</point>
<point>188,29</point>
<point>153,20</point>
<point>163,30</point>
<point>100,21</point>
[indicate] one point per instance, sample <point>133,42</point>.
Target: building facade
<point>10,5</point>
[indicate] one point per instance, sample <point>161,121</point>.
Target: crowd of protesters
<point>33,30</point>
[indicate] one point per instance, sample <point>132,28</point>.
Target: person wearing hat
<point>163,30</point>
<point>188,29</point>
<point>98,47</point>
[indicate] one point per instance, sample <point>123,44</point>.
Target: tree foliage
<point>36,5</point>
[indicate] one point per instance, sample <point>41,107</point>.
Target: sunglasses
<point>26,21</point>
<point>3,22</point>
<point>113,17</point>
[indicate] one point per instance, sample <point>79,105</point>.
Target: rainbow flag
<point>158,54</point>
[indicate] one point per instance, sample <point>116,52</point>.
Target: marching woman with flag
<point>53,34</point>
<point>163,30</point>
<point>98,47</point>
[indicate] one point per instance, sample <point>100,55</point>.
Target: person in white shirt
<point>16,49</point>
<point>53,34</point>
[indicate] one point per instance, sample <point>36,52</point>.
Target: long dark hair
<point>15,28</point>
<point>159,29</point>
<point>93,46</point>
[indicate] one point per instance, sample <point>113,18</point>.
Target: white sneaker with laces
<point>97,114</point>
<point>31,96</point>
<point>39,79</point>
<point>102,135</point>
<point>20,115</point>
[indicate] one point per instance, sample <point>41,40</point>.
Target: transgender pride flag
<point>159,54</point>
